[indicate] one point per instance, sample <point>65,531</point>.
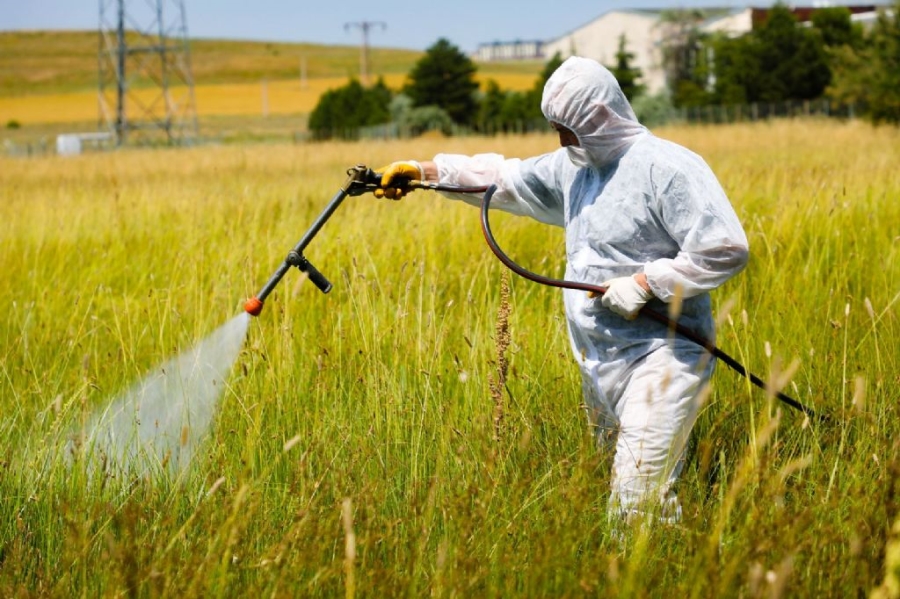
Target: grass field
<point>50,62</point>
<point>261,99</point>
<point>51,78</point>
<point>355,452</point>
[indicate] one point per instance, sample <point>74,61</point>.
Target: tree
<point>685,49</point>
<point>777,61</point>
<point>341,112</point>
<point>532,100</point>
<point>516,111</point>
<point>549,68</point>
<point>867,77</point>
<point>445,77</point>
<point>836,27</point>
<point>377,99</point>
<point>793,63</point>
<point>491,109</point>
<point>628,77</point>
<point>737,66</point>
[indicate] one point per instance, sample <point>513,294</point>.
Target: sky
<point>414,24</point>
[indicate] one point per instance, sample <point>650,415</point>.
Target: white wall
<point>599,40</point>
<point>735,24</point>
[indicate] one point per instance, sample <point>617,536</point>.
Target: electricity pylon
<point>146,89</point>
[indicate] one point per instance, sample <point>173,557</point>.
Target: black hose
<point>648,312</point>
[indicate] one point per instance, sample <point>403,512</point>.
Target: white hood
<point>585,97</point>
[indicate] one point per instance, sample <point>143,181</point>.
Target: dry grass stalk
<point>501,342</point>
<point>349,547</point>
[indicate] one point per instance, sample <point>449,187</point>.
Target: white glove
<point>625,297</point>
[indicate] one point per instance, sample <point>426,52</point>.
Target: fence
<point>655,115</point>
<point>652,114</point>
<point>764,111</point>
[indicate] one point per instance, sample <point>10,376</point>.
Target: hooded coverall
<point>630,202</point>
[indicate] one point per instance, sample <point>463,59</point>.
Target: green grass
<point>380,390</point>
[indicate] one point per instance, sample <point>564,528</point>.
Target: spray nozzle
<point>253,306</point>
<point>360,180</point>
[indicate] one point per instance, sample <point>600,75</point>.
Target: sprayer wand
<point>360,180</point>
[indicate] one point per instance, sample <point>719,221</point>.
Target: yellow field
<point>252,99</point>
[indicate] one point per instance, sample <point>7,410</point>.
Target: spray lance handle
<point>360,180</point>
<point>254,305</point>
<point>295,258</point>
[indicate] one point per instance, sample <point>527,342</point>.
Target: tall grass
<point>355,451</point>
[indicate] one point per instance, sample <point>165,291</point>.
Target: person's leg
<point>601,417</point>
<point>656,411</point>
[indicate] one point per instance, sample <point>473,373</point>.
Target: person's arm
<point>531,187</point>
<point>713,246</point>
<point>431,170</point>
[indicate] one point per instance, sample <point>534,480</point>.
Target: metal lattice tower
<point>146,89</point>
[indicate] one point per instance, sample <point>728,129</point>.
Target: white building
<point>644,34</point>
<point>517,50</point>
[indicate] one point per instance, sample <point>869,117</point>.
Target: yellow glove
<point>408,170</point>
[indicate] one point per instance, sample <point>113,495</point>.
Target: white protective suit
<point>630,202</point>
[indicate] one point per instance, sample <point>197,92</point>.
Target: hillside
<point>53,62</point>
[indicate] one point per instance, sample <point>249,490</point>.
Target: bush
<point>341,112</point>
<point>417,120</point>
<point>654,111</point>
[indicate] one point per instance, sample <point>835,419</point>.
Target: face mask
<point>578,156</point>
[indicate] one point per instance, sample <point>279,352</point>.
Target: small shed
<point>70,144</point>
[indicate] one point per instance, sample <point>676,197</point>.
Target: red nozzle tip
<point>253,306</point>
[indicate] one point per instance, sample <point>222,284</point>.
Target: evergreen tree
<point>490,112</point>
<point>445,77</point>
<point>549,68</point>
<point>377,100</point>
<point>628,77</point>
<point>532,100</point>
<point>518,112</point>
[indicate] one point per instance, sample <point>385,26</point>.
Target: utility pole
<point>365,26</point>
<point>303,82</point>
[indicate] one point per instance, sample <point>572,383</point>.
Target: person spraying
<point>644,218</point>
